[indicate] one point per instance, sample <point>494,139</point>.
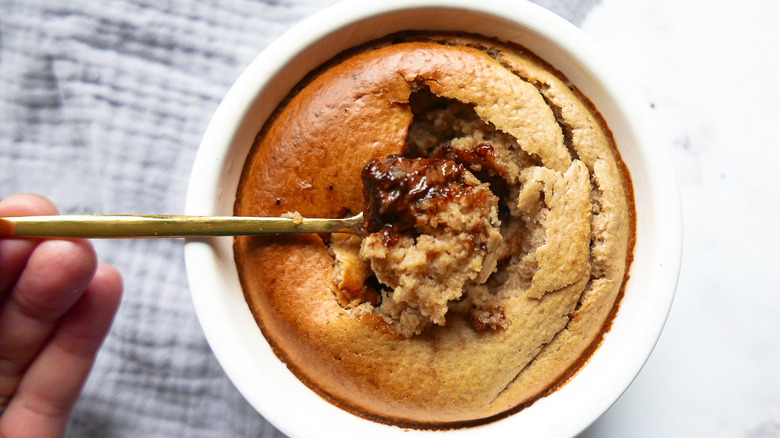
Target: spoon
<point>130,226</point>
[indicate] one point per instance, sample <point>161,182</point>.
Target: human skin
<point>57,303</point>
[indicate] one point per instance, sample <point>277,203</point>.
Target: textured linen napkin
<point>102,106</point>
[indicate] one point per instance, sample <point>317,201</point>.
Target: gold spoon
<point>129,226</point>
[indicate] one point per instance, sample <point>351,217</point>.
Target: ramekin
<point>230,327</point>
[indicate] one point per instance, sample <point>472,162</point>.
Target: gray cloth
<point>102,106</point>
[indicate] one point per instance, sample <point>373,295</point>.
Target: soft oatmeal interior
<point>434,232</point>
<point>480,295</point>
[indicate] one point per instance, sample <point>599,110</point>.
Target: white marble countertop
<point>102,106</point>
<point>710,69</point>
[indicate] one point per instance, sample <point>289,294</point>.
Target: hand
<point>56,307</point>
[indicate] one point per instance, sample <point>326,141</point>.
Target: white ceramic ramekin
<point>226,320</point>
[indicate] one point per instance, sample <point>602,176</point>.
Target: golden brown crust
<point>309,160</point>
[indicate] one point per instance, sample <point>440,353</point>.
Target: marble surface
<point>102,106</point>
<point>709,69</point>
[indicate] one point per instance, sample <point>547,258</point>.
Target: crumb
<point>295,216</point>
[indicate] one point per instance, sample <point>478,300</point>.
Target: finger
<point>54,278</point>
<point>54,380</point>
<point>14,252</point>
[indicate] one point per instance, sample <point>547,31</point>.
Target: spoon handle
<point>132,226</point>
